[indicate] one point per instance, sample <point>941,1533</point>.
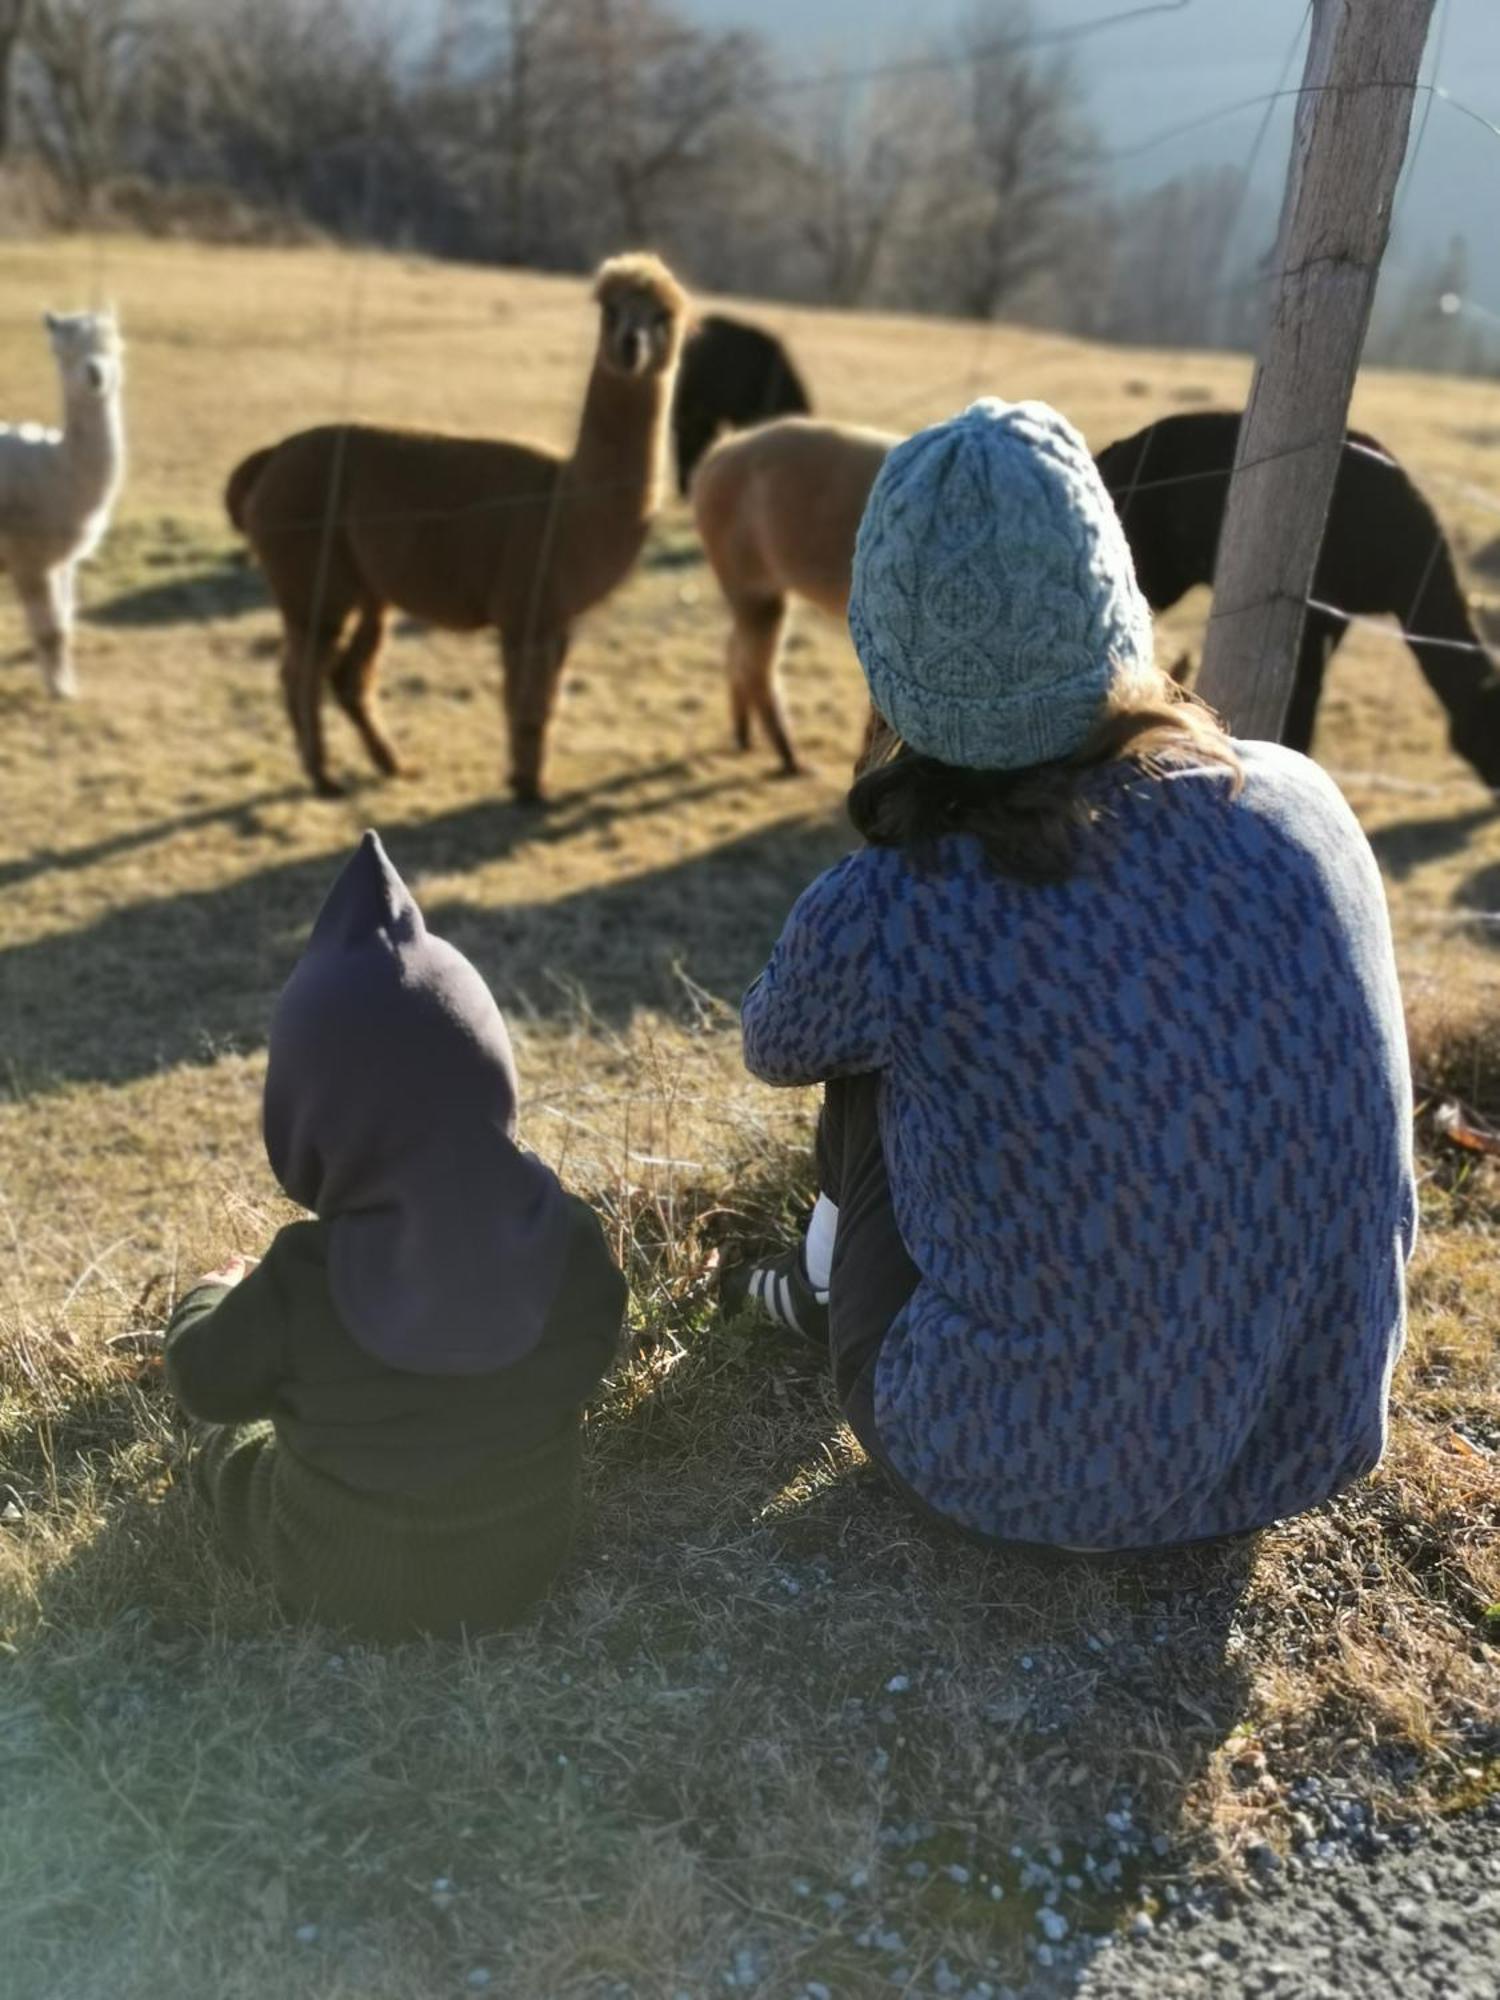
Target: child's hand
<point>228,1273</point>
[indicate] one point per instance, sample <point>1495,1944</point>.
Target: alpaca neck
<point>93,447</point>
<point>612,484</point>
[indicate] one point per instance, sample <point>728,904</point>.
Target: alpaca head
<point>1474,730</point>
<point>88,350</point>
<point>643,312</point>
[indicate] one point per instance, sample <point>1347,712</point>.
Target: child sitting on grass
<point>1115,1151</point>
<point>393,1394</point>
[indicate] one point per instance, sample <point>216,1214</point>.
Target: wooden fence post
<point>1352,126</point>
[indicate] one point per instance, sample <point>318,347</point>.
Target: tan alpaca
<point>348,520</point>
<point>778,510</point>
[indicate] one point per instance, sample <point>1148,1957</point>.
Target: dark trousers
<point>872,1276</point>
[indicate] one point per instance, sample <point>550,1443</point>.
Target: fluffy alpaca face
<point>642,311</point>
<point>88,350</point>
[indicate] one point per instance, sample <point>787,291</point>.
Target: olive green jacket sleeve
<point>226,1348</point>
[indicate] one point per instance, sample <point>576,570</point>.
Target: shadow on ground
<point>1412,844</point>
<point>230,589</point>
<point>184,978</point>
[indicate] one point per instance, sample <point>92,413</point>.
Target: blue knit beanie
<point>994,605</point>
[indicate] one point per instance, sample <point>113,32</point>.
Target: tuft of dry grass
<point>768,1723</point>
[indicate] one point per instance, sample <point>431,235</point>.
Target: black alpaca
<point>732,375</point>
<point>1384,553</point>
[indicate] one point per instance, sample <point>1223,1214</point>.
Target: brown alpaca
<point>348,520</point>
<point>778,510</point>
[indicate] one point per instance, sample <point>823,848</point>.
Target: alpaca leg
<point>532,676</point>
<point>354,688</point>
<point>753,648</point>
<point>305,658</point>
<point>1320,635</point>
<point>46,601</point>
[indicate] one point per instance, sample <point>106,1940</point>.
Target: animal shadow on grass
<point>182,978</point>
<point>1411,844</point>
<point>1404,848</point>
<point>232,588</point>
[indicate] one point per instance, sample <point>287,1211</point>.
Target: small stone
<point>956,1872</point>
<point>1160,1844</point>
<point>917,1871</point>
<point>306,1934</point>
<point>801,1888</point>
<point>1053,1923</point>
<point>997,1894</point>
<point>858,1877</point>
<point>834,1901</point>
<point>1141,1925</point>
<point>816,1990</point>
<point>479,1978</point>
<point>897,1684</point>
<point>1027,1663</point>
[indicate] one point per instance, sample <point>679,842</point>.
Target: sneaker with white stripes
<point>782,1290</point>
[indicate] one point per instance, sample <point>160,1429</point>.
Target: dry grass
<point>700,1741</point>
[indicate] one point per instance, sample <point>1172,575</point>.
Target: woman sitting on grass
<point>1115,1146</point>
<point>393,1394</point>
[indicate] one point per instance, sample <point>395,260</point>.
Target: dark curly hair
<point>1031,823</point>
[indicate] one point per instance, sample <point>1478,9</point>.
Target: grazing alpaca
<point>1384,553</point>
<point>778,510</point>
<point>732,376</point>
<point>57,487</point>
<point>348,520</point>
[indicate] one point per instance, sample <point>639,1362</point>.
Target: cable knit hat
<point>994,604</point>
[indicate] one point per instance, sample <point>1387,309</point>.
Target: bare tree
<point>13,15</point>
<point>289,101</point>
<point>855,175</point>
<point>645,92</point>
<point>1012,162</point>
<point>78,74</point>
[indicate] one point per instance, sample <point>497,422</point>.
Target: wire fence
<point>894,414</point>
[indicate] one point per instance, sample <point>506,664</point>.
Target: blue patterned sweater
<point>1149,1140</point>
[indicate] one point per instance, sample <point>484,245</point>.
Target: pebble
<point>816,1990</point>
<point>897,1684</point>
<point>1141,1925</point>
<point>858,1877</point>
<point>956,1872</point>
<point>1053,1923</point>
<point>479,1978</point>
<point>306,1934</point>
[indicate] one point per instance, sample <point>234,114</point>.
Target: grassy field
<point>770,1735</point>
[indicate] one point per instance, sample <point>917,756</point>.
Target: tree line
<point>965,180</point>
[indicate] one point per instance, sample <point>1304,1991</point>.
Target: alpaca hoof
<point>329,788</point>
<point>793,768</point>
<point>63,686</point>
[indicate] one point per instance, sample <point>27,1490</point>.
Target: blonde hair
<point>1034,823</point>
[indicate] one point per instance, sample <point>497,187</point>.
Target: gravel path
<point>1418,1921</point>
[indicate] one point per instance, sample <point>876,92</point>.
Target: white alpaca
<point>57,487</point>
